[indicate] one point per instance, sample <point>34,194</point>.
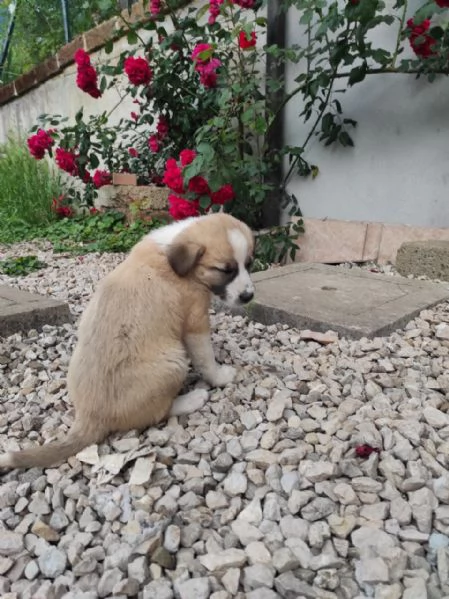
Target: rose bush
<point>203,112</point>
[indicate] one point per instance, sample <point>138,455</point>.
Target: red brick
<point>7,93</point>
<point>139,14</point>
<point>25,82</point>
<point>46,69</point>
<point>97,37</point>
<point>65,54</point>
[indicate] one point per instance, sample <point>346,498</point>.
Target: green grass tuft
<point>27,188</point>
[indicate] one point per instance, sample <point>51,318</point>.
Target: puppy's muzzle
<point>246,297</point>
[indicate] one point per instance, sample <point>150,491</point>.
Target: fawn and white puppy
<point>143,323</point>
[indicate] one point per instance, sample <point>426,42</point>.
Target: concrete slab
<point>354,303</point>
<point>22,311</point>
<point>429,258</point>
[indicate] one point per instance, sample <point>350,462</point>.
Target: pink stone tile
<point>393,236</point>
<point>372,241</point>
<point>331,241</point>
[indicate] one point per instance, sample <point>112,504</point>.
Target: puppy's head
<point>216,251</point>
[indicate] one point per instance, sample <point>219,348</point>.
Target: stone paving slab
<point>352,302</point>
<point>22,311</point>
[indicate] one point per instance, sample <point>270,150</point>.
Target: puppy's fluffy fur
<point>142,324</point>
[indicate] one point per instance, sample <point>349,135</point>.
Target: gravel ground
<point>260,495</point>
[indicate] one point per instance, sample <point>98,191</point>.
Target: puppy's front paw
<point>223,376</point>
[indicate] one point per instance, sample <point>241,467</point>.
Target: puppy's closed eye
<point>227,269</point>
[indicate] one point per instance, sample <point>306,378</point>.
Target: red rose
<point>133,152</point>
<point>87,177</point>
<point>214,10</point>
<point>101,178</point>
<point>157,180</point>
<point>244,3</point>
<point>443,3</point>
<point>199,186</point>
<point>223,195</point>
<point>60,209</point>
<point>180,208</point>
<point>208,75</point>
<point>134,116</point>
<point>86,76</point>
<point>86,80</point>
<point>39,143</point>
<point>421,42</point>
<point>138,70</point>
<point>155,7</point>
<point>246,41</point>
<point>173,176</point>
<point>171,164</point>
<point>187,156</point>
<point>153,144</point>
<point>202,53</point>
<point>81,57</point>
<point>162,127</point>
<point>208,79</point>
<point>364,451</point>
<point>64,211</point>
<point>205,65</point>
<point>66,160</point>
<point>94,210</point>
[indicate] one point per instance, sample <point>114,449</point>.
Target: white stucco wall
<point>398,171</point>
<point>61,96</point>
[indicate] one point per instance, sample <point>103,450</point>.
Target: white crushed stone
<point>261,495</point>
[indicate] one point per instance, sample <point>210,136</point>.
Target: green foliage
<point>101,232</point>
<point>39,31</point>
<point>275,245</point>
<point>340,53</point>
<point>27,188</point>
<point>20,266</point>
<point>109,232</point>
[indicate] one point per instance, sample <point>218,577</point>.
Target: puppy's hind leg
<point>189,402</point>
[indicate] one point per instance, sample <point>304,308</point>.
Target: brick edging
<point>91,40</point>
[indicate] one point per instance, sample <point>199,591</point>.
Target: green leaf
<point>193,169</point>
<point>94,162</point>
<point>109,46</point>
<point>103,84</point>
<point>306,17</point>
<point>207,151</point>
<point>132,37</point>
<point>345,139</point>
<point>204,202</point>
<point>202,11</point>
<point>327,122</point>
<point>357,74</point>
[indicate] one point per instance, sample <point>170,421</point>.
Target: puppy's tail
<point>48,455</point>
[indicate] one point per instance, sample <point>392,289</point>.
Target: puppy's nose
<point>246,297</point>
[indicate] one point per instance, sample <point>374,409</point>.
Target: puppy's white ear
<point>183,257</point>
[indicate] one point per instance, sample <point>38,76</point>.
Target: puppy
<point>144,322</point>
